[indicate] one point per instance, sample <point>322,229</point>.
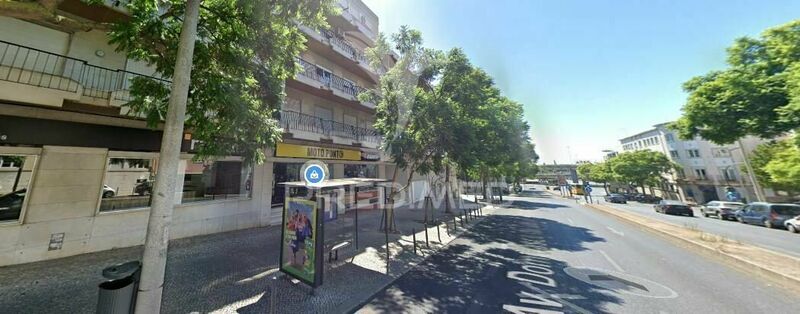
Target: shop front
<point>344,162</point>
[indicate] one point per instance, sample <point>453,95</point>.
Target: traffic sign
<point>314,174</point>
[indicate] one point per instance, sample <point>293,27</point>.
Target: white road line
<point>619,233</point>
<point>613,263</point>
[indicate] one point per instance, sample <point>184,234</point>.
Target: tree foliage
<point>759,94</point>
<point>640,168</point>
<point>244,52</point>
<point>777,165</point>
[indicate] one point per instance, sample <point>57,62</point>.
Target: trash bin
<point>118,294</point>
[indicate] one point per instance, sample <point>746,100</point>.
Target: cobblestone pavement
<point>234,271</point>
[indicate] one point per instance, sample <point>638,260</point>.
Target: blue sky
<point>588,72</point>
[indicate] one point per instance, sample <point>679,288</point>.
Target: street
<point>543,254</point>
<point>777,239</point>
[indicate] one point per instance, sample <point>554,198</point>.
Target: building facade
<point>76,173</point>
<point>707,169</point>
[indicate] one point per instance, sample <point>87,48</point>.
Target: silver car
<point>721,210</point>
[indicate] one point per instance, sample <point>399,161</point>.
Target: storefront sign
<point>299,245</point>
<point>314,152</point>
<point>370,156</point>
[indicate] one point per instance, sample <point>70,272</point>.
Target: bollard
<point>447,227</point>
<point>462,221</point>
<point>428,244</point>
<point>439,233</point>
<point>414,239</point>
<point>455,224</point>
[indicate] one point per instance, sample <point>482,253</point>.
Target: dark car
<point>649,199</point>
<point>769,215</point>
<point>671,207</point>
<point>616,198</point>
<point>720,209</point>
<point>11,204</point>
<point>143,188</point>
<point>630,196</point>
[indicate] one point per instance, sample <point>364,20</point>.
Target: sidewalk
<point>234,271</point>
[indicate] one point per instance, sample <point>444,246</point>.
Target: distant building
<point>707,168</point>
<point>552,173</point>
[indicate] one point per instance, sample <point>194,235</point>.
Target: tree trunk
<point>447,208</point>
<point>605,187</point>
<point>155,247</point>
<point>643,190</point>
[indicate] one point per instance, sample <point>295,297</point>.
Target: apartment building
<point>76,173</point>
<point>707,169</point>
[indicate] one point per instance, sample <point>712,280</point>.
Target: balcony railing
<point>292,120</point>
<point>328,79</point>
<point>31,66</point>
<point>345,46</point>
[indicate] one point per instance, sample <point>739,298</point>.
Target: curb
<point>737,262</point>
<point>425,258</point>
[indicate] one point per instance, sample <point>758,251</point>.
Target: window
<point>720,152</point>
<point>221,179</point>
<point>16,172</point>
<point>674,154</point>
<point>681,173</point>
<point>728,174</point>
<point>700,173</point>
<point>670,138</point>
<point>656,140</point>
<point>693,153</point>
<point>360,171</point>
<point>128,183</point>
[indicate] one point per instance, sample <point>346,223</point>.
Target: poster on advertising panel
<point>298,256</point>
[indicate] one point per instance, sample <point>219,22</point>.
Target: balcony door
<point>326,117</point>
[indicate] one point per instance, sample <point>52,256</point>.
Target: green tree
<point>596,172</point>
<point>775,164</point>
<point>640,168</point>
<point>758,95</point>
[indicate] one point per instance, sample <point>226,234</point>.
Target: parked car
<point>649,199</point>
<point>143,188</point>
<point>673,207</point>
<point>630,196</point>
<point>793,225</point>
<point>769,215</point>
<point>108,191</point>
<point>615,198</point>
<point>11,204</point>
<point>720,209</point>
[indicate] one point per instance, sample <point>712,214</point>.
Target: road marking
<point>611,261</point>
<point>619,233</point>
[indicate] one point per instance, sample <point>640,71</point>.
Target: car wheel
<point>791,228</point>
<point>740,219</point>
<point>768,223</point>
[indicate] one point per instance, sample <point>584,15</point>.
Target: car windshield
<point>786,209</point>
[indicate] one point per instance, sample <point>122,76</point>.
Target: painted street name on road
<point>536,273</point>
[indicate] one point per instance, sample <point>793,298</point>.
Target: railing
<point>343,44</point>
<point>292,120</point>
<point>331,80</point>
<point>31,66</point>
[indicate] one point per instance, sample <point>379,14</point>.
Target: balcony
<point>29,70</point>
<point>341,51</point>
<point>321,80</point>
<point>295,121</point>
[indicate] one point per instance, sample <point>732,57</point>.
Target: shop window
<point>128,183</point>
<point>16,172</point>
<point>360,171</point>
<point>283,172</point>
<point>205,181</point>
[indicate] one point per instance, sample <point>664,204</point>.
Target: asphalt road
<point>543,254</point>
<point>778,240</point>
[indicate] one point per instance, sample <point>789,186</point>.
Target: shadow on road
<point>531,232</point>
<point>531,205</point>
<point>464,280</point>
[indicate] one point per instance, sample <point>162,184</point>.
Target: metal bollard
<point>438,234</point>
<point>462,221</point>
<point>455,224</point>
<point>428,244</point>
<point>414,239</point>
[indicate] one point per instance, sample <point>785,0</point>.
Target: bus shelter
<point>321,219</point>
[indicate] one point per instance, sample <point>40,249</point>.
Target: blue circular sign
<point>314,174</point>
